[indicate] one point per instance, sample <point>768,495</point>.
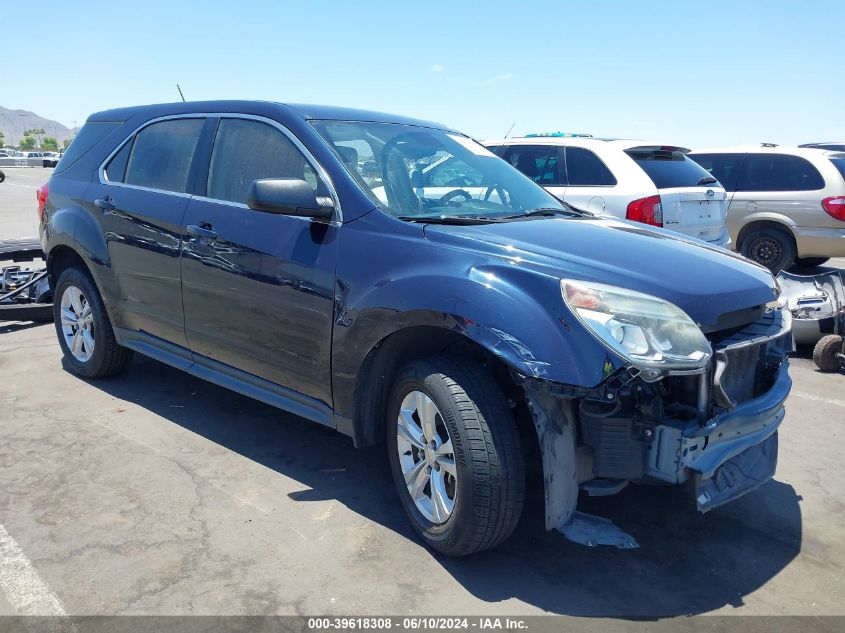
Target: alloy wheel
<point>77,323</point>
<point>426,457</point>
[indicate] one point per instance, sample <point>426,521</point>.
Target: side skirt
<point>228,377</point>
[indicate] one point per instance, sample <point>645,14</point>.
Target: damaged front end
<point>715,425</point>
<point>815,301</point>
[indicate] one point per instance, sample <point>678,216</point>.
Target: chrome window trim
<point>312,161</point>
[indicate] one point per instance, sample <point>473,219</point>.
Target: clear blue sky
<point>692,73</point>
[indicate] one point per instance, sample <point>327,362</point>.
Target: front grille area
<point>747,358</point>
<point>741,373</point>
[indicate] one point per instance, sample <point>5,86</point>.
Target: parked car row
<point>395,280</point>
<point>15,158</point>
<point>778,206</point>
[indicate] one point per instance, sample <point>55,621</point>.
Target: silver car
<point>787,204</point>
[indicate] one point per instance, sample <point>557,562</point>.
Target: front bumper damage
<point>717,428</point>
<point>815,301</point>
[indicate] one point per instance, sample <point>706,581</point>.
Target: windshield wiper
<point>548,212</point>
<point>707,180</point>
<point>448,219</point>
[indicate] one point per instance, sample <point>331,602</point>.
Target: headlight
<point>646,330</point>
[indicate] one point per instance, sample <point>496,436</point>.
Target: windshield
<point>415,172</point>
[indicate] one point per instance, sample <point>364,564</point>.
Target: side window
<point>723,167</point>
<point>541,163</point>
<point>116,169</point>
<point>583,168</point>
<point>246,150</point>
<point>779,172</point>
<point>161,155</point>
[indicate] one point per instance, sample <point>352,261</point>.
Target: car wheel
<point>455,455</point>
<point>826,353</point>
<point>810,262</point>
<point>770,247</point>
<point>85,332</point>
<point>2,176</point>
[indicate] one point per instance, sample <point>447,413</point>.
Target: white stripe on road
<point>12,184</point>
<point>807,396</point>
<point>24,589</point>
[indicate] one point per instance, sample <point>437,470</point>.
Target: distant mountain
<point>13,123</point>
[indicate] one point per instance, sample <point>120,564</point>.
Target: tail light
<point>41,196</point>
<point>835,206</point>
<point>646,210</point>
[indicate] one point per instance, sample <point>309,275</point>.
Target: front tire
<point>771,247</point>
<point>455,455</point>
<point>825,353</point>
<point>83,327</point>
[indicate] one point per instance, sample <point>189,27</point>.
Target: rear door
<point>693,201</point>
<point>140,200</point>
<point>258,288</point>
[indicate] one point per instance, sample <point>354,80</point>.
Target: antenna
<point>180,93</point>
<point>510,129</point>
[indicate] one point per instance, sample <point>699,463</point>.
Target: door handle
<point>105,203</point>
<point>203,230</point>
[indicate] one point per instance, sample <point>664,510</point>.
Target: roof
<point>301,111</point>
<point>580,141</point>
<point>809,152</point>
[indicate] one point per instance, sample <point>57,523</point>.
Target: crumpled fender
<point>517,316</point>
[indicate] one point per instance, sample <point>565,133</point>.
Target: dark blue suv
<point>394,280</point>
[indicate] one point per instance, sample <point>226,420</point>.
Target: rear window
<point>779,172</point>
<point>839,163</point>
<point>91,133</point>
<point>670,168</point>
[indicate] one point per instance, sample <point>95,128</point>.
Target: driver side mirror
<point>288,196</point>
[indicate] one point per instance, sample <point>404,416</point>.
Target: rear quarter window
<point>669,168</point>
<point>584,169</point>
<point>839,163</point>
<point>779,172</point>
<point>90,135</point>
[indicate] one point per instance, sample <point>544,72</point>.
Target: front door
<point>258,288</point>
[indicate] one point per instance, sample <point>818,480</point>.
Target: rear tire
<point>83,327</point>
<point>484,498</point>
<point>771,247</point>
<point>825,353</point>
<point>810,262</point>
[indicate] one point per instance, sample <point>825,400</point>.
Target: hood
<point>705,281</point>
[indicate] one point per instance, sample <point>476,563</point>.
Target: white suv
<point>638,180</point>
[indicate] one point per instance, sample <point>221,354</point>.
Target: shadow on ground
<point>687,563</point>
